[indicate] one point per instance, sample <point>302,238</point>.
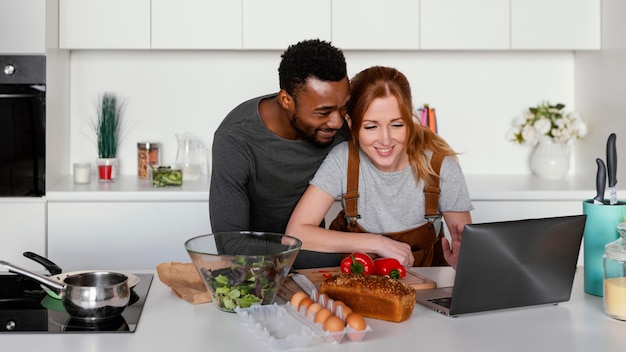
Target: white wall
<point>476,95</point>
<point>601,89</point>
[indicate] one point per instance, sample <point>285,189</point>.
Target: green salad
<point>164,176</point>
<point>244,283</point>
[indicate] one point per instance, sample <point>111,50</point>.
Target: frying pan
<point>58,274</point>
<point>88,296</point>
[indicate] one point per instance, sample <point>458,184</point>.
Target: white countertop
<point>171,324</point>
<point>481,187</point>
<point>127,188</point>
<point>528,187</point>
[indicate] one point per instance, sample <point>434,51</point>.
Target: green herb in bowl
<point>244,284</point>
<point>244,268</point>
<point>165,176</point>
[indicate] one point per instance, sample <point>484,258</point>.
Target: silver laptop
<point>511,264</point>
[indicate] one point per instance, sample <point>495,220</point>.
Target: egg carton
<point>284,327</point>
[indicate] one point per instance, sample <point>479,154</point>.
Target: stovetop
<point>25,307</point>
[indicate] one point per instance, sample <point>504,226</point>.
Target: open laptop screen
<point>517,263</point>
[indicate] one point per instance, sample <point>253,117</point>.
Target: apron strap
<point>431,191</point>
<point>350,198</point>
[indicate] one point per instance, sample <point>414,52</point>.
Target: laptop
<point>511,264</point>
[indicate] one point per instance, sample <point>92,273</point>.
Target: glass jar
<point>614,265</point>
<point>147,157</point>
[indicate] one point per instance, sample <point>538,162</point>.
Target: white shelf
<point>528,187</point>
<point>127,189</point>
<point>481,187</point>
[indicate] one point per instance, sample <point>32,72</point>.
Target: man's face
<point>320,110</point>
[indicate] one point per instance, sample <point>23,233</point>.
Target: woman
<point>395,154</point>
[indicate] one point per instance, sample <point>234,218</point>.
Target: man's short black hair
<point>310,58</point>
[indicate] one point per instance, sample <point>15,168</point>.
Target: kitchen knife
<point>600,182</point>
<point>305,283</point>
<point>611,164</point>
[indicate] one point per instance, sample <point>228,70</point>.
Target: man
<point>268,148</point>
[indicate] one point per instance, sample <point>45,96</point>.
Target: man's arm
<point>229,205</point>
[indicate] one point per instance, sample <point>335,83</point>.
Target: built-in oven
<point>22,126</point>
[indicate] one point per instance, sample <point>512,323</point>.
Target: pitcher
<point>190,157</point>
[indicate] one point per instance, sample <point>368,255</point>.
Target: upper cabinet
<point>22,27</point>
<point>370,24</point>
<point>464,24</point>
<point>104,24</point>
<point>276,24</point>
<point>349,24</point>
<point>556,24</point>
<point>196,24</point>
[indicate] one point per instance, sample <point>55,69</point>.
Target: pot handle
<point>52,267</point>
<point>46,281</point>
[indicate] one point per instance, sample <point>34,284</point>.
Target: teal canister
<point>600,229</point>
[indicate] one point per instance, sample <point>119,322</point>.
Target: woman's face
<point>383,134</point>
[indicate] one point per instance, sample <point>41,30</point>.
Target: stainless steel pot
<point>90,295</point>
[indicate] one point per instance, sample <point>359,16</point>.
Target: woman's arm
<point>308,214</point>
<point>455,222</point>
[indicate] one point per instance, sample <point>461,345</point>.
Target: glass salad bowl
<point>243,268</point>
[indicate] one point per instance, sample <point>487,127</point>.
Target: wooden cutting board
<point>318,275</point>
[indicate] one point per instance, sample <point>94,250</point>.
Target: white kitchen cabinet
<point>123,235</point>
<point>376,25</point>
<point>22,27</point>
<point>22,228</point>
<point>104,24</point>
<point>464,24</point>
<point>349,24</point>
<point>196,24</point>
<point>556,24</point>
<point>276,24</point>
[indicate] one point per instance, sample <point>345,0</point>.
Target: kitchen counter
<point>481,187</point>
<point>171,324</point>
<point>529,187</point>
<point>127,188</point>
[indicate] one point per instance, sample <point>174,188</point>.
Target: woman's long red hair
<point>378,82</point>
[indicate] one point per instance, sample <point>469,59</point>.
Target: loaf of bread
<point>372,296</point>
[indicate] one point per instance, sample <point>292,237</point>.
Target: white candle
<point>82,172</point>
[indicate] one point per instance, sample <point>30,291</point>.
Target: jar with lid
<point>147,157</point>
<point>614,267</point>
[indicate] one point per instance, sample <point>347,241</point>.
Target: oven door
<point>22,126</point>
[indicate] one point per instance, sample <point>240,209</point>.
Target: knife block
<point>600,229</point>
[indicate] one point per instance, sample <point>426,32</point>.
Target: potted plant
<point>552,130</point>
<point>107,128</point>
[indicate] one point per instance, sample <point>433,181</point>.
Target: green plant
<point>108,124</point>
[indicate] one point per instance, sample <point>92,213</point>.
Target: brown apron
<point>424,240</point>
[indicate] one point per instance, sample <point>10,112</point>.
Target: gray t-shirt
<point>391,201</point>
<point>258,177</point>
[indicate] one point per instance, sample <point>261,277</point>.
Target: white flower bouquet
<point>548,120</point>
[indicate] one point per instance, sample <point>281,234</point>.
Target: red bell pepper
<point>358,263</point>
<point>390,267</point>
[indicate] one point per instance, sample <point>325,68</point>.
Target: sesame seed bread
<point>372,296</point>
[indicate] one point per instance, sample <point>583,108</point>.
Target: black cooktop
<point>25,307</point>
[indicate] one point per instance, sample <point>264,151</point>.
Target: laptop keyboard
<point>444,301</point>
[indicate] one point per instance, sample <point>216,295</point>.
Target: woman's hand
<point>456,222</point>
<point>388,248</point>
<point>451,250</point>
